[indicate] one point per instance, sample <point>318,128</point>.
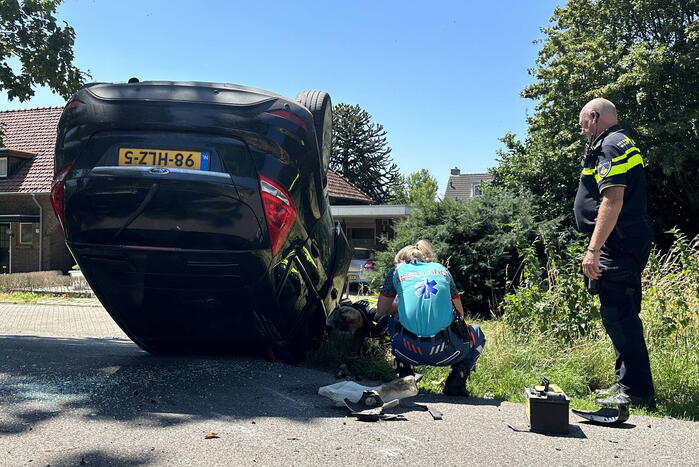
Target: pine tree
<point>360,152</point>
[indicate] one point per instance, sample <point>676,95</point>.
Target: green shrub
<point>552,299</point>
<point>33,281</point>
<point>671,320</point>
<point>478,240</point>
<point>671,292</point>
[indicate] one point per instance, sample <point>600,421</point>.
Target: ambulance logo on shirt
<point>603,168</point>
<point>426,289</point>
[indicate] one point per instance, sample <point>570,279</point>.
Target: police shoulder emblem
<point>603,168</point>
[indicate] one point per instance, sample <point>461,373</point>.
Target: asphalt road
<point>98,400</point>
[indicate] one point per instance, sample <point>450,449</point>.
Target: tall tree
<point>643,55</point>
<point>360,152</point>
<point>415,189</point>
<point>31,40</point>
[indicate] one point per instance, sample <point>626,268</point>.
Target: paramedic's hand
<point>458,306</point>
<point>384,307</point>
<point>590,265</point>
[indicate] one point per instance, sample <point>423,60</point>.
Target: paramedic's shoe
<point>610,391</point>
<point>403,370</point>
<point>621,398</point>
<point>455,384</point>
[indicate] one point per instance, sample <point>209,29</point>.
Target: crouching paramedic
<point>426,326</point>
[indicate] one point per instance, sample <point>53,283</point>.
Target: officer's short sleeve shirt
<point>613,161</point>
<point>611,169</point>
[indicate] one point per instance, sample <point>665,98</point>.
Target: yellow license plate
<point>352,277</point>
<point>171,158</point>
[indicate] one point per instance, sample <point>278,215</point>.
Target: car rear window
<point>361,254</point>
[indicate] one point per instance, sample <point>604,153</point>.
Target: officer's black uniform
<point>614,160</point>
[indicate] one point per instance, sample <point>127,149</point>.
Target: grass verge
<point>50,298</point>
<point>21,297</point>
<point>512,362</point>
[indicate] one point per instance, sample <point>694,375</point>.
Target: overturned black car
<point>198,213</point>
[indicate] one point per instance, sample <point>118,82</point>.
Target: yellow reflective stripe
<point>623,167</point>
<point>634,161</point>
<point>626,154</point>
<point>588,171</point>
<point>291,187</point>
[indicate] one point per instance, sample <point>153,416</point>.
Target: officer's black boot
<point>403,369</point>
<point>456,381</point>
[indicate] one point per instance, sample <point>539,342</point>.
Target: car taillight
<point>279,212</point>
<point>73,104</point>
<point>291,117</point>
<point>56,196</point>
<point>369,265</point>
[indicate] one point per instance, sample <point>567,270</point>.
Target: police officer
<point>610,207</point>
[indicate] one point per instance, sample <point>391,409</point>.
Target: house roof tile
<point>32,130</point>
<point>340,187</point>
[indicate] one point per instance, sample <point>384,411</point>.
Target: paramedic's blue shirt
<point>425,291</point>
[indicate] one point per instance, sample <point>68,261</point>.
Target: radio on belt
<point>547,408</point>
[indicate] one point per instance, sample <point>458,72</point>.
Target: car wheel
<point>320,106</point>
<point>292,349</point>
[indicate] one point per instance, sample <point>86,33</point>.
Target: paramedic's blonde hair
<point>422,251</point>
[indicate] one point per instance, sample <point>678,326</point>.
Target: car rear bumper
<point>192,301</point>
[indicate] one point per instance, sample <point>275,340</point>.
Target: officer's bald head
<point>596,116</point>
<point>603,107</point>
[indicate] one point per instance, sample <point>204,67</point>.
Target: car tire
<point>320,106</point>
<point>292,349</point>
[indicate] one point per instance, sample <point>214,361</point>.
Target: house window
<point>4,236</point>
<point>476,189</point>
<point>362,233</point>
<point>26,233</point>
<point>3,167</point>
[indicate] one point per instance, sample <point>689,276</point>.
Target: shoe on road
<point>455,385</point>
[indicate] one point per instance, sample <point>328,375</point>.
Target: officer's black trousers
<point>623,260</point>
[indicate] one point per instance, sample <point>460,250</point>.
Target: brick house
<point>31,238</point>
<point>363,222</point>
<point>464,186</point>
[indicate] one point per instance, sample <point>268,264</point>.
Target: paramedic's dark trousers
<point>623,259</point>
<point>440,350</point>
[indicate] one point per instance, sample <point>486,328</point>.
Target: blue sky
<point>442,77</point>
